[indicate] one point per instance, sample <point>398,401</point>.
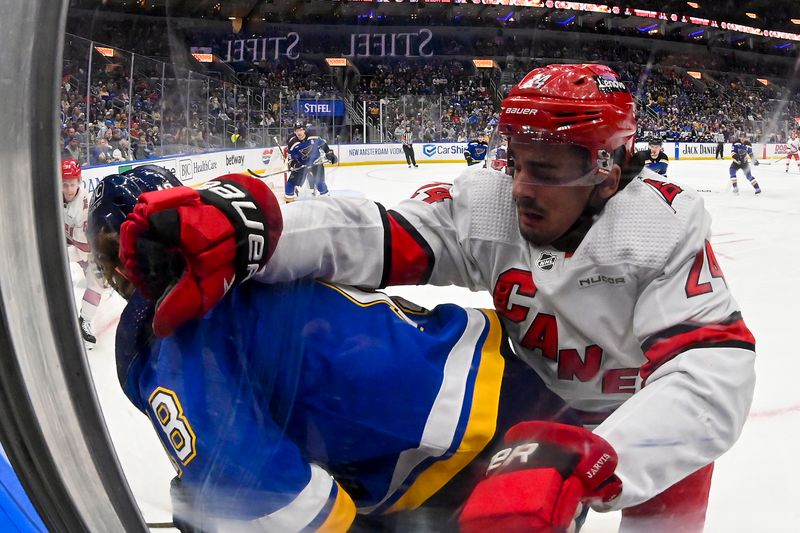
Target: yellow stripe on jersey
<point>372,298</point>
<point>480,428</point>
<point>342,514</point>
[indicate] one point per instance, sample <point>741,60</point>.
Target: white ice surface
<point>757,243</point>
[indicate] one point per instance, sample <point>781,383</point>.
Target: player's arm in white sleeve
<point>359,242</point>
<point>698,378</point>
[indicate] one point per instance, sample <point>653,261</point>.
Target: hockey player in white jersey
<point>76,205</point>
<point>793,150</point>
<point>605,281</point>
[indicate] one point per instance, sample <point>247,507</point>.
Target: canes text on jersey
<point>513,289</point>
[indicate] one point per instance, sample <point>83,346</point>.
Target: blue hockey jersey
<point>742,152</point>
<point>308,151</point>
<point>657,164</point>
<point>476,151</point>
<point>288,407</point>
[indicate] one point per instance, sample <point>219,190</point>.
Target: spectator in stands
<point>115,138</point>
<point>154,136</point>
<point>398,131</point>
<point>81,132</point>
<point>102,152</point>
<point>142,149</point>
<point>69,133</point>
<point>123,152</point>
<point>73,151</point>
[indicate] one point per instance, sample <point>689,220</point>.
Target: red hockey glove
<point>541,479</point>
<point>186,248</point>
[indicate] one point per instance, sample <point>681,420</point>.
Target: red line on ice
<point>771,413</point>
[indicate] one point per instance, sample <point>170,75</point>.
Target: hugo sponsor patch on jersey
<point>599,278</point>
<point>546,261</point>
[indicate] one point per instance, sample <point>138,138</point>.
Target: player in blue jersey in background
<point>307,154</point>
<point>656,160</point>
<point>742,153</point>
<point>291,407</point>
<point>476,150</point>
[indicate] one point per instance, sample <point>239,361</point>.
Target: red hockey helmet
<point>70,170</point>
<point>585,105</point>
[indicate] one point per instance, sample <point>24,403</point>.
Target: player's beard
<point>529,210</point>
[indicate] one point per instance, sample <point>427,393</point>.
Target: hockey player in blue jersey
<point>656,160</point>
<point>291,407</point>
<point>307,155</point>
<point>742,153</point>
<point>475,152</point>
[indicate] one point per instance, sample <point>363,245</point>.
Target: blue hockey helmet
<point>114,198</point>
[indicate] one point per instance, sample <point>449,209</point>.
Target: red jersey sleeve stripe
<point>667,344</point>
<point>387,246</point>
<point>409,256</point>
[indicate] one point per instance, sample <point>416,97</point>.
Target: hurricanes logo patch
<point>546,261</point>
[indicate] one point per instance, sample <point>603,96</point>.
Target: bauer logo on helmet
<point>521,111</point>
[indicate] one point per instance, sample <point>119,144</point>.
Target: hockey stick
<point>772,162</point>
<point>318,162</point>
<point>257,175</point>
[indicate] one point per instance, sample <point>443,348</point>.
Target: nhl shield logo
<point>546,261</point>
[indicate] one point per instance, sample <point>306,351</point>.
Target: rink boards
<point>196,168</point>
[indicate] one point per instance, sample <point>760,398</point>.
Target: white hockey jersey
<point>76,213</point>
<point>636,328</point>
<point>792,146</point>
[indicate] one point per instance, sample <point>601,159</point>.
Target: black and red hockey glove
<point>541,479</point>
<point>185,248</point>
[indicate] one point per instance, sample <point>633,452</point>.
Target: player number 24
<point>693,285</point>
